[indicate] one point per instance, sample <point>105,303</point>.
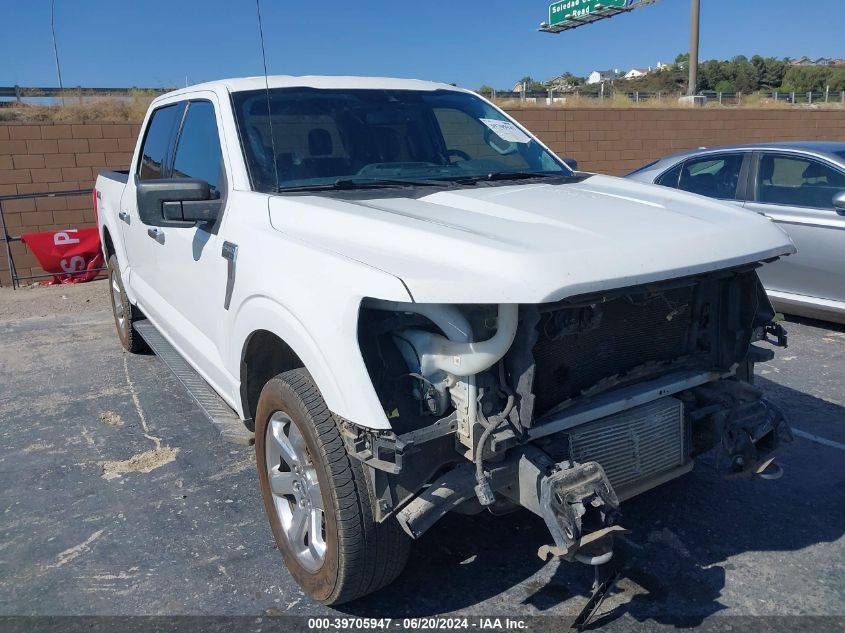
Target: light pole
<point>695,11</point>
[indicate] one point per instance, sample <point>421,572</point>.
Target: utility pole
<point>695,12</point>
<point>55,48</point>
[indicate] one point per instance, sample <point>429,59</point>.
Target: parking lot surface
<point>118,498</point>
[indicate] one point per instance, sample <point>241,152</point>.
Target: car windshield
<point>342,138</point>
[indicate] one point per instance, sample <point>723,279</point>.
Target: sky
<point>164,43</point>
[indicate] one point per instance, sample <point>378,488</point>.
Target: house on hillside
<point>598,76</point>
<point>820,61</point>
<point>801,61</point>
<point>636,73</point>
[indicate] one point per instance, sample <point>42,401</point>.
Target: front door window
<point>798,181</point>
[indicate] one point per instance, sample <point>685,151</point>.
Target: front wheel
<point>317,498</point>
<point>124,312</point>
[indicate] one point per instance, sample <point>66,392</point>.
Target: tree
<point>836,79</point>
<point>737,75</point>
<point>485,90</point>
<point>712,73</point>
<point>805,79</point>
<point>669,79</point>
<point>571,79</point>
<point>775,69</point>
<point>744,77</point>
<point>768,71</point>
<point>531,85</point>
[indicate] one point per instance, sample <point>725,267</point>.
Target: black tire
<point>361,555</point>
<point>129,338</point>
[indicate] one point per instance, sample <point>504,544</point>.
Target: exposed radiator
<point>626,332</point>
<point>634,446</point>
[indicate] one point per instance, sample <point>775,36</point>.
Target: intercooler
<point>636,446</point>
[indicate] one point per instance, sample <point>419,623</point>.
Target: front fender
<point>342,377</point>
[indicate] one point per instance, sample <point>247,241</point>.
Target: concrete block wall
<point>617,141</point>
<point>53,157</point>
<point>37,158</point>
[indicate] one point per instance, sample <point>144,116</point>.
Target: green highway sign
<point>563,11</point>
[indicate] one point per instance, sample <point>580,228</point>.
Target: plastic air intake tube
<point>465,358</point>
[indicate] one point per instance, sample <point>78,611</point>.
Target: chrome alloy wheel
<point>117,301</point>
<point>296,491</point>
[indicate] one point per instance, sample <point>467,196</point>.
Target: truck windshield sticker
<point>506,131</point>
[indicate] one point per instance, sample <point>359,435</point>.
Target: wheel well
<point>108,245</point>
<point>265,355</point>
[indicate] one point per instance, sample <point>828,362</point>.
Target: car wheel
<point>317,497</point>
<point>125,314</point>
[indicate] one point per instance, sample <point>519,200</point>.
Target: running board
<point>220,414</point>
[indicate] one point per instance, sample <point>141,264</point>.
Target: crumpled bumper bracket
<point>575,501</point>
<point>750,435</point>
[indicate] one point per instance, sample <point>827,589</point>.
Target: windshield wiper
<point>512,175</point>
<point>348,184</point>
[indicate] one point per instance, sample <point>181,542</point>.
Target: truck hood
<point>532,243</point>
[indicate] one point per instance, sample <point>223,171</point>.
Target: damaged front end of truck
<point>566,408</point>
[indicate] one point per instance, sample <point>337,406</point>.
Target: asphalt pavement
<point>117,497</point>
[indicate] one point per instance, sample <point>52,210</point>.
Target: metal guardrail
<point>8,239</point>
<point>546,96</point>
<point>18,92</point>
<point>551,97</point>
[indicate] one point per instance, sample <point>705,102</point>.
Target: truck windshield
<point>327,136</point>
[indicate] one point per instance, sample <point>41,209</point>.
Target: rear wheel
<point>317,498</point>
<point>124,312</point>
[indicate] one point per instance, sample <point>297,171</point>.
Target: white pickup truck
<point>419,308</point>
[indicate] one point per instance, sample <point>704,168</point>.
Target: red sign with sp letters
<point>72,255</point>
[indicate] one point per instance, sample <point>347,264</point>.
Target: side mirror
<point>571,163</point>
<point>839,202</point>
<point>177,202</point>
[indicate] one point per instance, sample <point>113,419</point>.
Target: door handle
<point>230,254</point>
<point>156,233</point>
<point>124,215</point>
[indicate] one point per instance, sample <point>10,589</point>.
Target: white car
<point>419,309</point>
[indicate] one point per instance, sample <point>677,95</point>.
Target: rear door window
<point>714,176</point>
<point>198,153</point>
<point>798,181</point>
<point>157,142</point>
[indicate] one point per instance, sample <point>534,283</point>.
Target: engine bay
<point>639,380</point>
